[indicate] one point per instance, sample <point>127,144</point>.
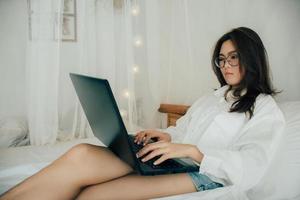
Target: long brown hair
<point>253,61</point>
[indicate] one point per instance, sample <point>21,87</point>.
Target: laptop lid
<point>101,110</point>
<point>103,115</point>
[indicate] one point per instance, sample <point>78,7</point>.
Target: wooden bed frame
<point>173,112</point>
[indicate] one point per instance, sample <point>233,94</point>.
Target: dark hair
<point>253,61</point>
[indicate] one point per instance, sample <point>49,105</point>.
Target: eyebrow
<point>230,52</point>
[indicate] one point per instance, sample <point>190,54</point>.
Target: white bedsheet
<point>16,164</point>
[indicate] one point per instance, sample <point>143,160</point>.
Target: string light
<point>135,10</point>
<point>126,94</point>
<point>123,113</point>
<point>135,68</point>
<point>138,42</point>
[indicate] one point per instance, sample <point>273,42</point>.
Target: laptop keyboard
<point>167,164</point>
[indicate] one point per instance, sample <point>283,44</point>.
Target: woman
<point>232,134</point>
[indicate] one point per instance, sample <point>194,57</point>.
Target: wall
<point>13,35</point>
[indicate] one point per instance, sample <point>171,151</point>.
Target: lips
<point>228,73</point>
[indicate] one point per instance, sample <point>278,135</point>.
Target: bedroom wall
<point>13,34</point>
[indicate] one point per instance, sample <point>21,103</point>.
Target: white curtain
<point>42,71</point>
<point>104,48</point>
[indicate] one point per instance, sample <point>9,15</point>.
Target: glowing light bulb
<point>126,94</point>
<point>135,10</point>
<point>135,68</point>
<point>123,113</point>
<point>138,42</point>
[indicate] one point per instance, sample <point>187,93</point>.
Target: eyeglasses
<point>232,59</point>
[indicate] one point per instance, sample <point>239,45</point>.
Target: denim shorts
<point>203,182</point>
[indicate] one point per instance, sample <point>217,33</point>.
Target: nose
<point>226,64</point>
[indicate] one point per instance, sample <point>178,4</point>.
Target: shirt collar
<point>221,92</point>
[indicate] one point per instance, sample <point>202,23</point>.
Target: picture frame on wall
<point>62,25</point>
<point>69,29</point>
<point>69,7</point>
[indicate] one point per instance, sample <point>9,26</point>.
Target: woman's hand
<point>143,137</point>
<point>167,150</point>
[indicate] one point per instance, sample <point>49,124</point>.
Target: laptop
<point>102,113</point>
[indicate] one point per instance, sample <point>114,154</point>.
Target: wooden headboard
<point>173,112</point>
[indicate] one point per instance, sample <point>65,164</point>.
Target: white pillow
<point>282,180</point>
<point>13,131</point>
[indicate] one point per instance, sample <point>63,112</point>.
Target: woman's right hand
<point>143,137</point>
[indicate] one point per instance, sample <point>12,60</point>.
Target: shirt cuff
<point>210,165</point>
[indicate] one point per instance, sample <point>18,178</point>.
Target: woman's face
<point>231,69</point>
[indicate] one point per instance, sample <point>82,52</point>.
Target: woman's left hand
<point>167,150</point>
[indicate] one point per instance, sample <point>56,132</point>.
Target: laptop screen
<point>98,105</point>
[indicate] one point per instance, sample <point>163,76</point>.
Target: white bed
<point>18,163</point>
<point>282,180</point>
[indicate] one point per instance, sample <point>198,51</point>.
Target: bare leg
<point>139,187</point>
<point>81,166</point>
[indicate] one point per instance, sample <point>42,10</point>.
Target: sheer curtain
<point>104,48</point>
<point>42,70</point>
<point>133,44</point>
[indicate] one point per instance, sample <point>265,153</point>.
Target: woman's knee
<point>81,152</point>
<point>87,155</point>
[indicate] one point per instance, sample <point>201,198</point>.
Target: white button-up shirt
<point>237,151</point>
